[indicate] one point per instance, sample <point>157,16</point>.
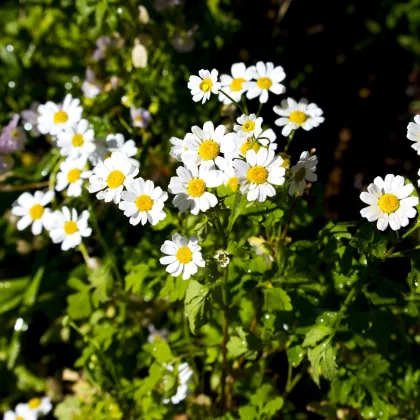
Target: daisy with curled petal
<point>190,188</point>
<point>110,176</point>
<point>203,85</point>
<point>303,171</point>
<point>248,125</point>
<point>77,140</point>
<point>234,85</point>
<point>54,118</point>
<point>143,202</point>
<point>183,256</point>
<point>69,228</point>
<point>36,406</point>
<point>21,413</point>
<point>71,176</point>
<point>268,139</point>
<point>184,375</point>
<point>205,145</point>
<point>117,143</point>
<point>227,172</point>
<point>267,78</point>
<point>259,173</point>
<point>32,209</point>
<point>413,133</point>
<point>295,115</point>
<point>178,148</point>
<point>389,202</point>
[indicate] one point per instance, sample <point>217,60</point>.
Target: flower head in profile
<point>117,143</point>
<point>12,137</point>
<point>77,141</point>
<point>142,202</point>
<point>54,118</point>
<point>413,133</point>
<point>110,176</point>
<point>303,171</point>
<point>259,173</point>
<point>32,210</point>
<point>178,148</point>
<point>203,85</point>
<point>205,145</point>
<point>191,188</point>
<point>267,79</point>
<point>72,175</point>
<point>91,87</point>
<point>35,407</point>
<point>248,125</point>
<point>183,256</point>
<point>140,117</point>
<point>69,228</point>
<point>234,84</point>
<point>389,202</point>
<point>185,374</point>
<point>297,114</point>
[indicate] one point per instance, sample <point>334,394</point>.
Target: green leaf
<point>316,334</point>
<point>236,346</point>
<point>134,280</point>
<point>248,412</point>
<point>32,291</point>
<point>322,358</point>
<point>160,350</point>
<point>196,305</point>
<point>174,289</point>
<point>276,299</point>
<point>79,305</point>
<point>295,355</point>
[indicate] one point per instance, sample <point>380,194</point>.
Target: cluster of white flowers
<point>32,410</point>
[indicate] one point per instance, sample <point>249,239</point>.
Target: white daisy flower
<point>32,210</point>
<point>184,376</point>
<point>36,407</point>
<point>259,173</point>
<point>267,78</point>
<point>183,256</point>
<point>389,202</point>
<point>21,413</point>
<point>117,143</point>
<point>77,140</point>
<point>110,176</point>
<point>69,228</point>
<point>190,187</point>
<point>204,85</point>
<point>234,85</point>
<point>413,133</point>
<point>295,115</point>
<point>205,145</point>
<point>143,202</point>
<point>178,148</point>
<point>71,176</point>
<point>248,125</point>
<point>54,118</point>
<point>268,139</point>
<point>227,172</point>
<point>303,171</point>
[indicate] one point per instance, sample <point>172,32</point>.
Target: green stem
<point>225,366</point>
<point>289,220</point>
<point>409,232</point>
<point>289,141</point>
<point>291,383</point>
<point>34,186</point>
<point>244,105</point>
<point>85,253</point>
<point>233,100</point>
<point>402,253</point>
<point>53,175</point>
<point>259,109</point>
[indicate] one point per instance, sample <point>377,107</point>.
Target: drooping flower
<point>259,173</point>
<point>91,87</point>
<point>235,84</point>
<point>140,117</point>
<point>77,141</point>
<point>54,118</point>
<point>303,171</point>
<point>295,115</point>
<point>36,406</point>
<point>142,202</point>
<point>248,125</point>
<point>267,79</point>
<point>110,176</point>
<point>183,256</point>
<point>184,376</point>
<point>178,148</point>
<point>191,188</point>
<point>203,85</point>
<point>32,210</point>
<point>72,175</point>
<point>69,228</point>
<point>413,133</point>
<point>30,119</point>
<point>117,143</point>
<point>389,202</point>
<point>12,137</point>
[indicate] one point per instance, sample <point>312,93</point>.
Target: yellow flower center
<point>60,117</point>
<point>73,175</point>
<point>36,211</point>
<point>34,403</point>
<point>138,118</point>
<point>248,126</point>
<point>257,174</point>
<point>264,82</point>
<point>233,183</point>
<point>248,145</point>
<point>206,85</point>
<point>298,117</point>
<point>19,418</point>
<point>70,227</point>
<point>77,140</point>
<point>236,84</point>
<point>144,202</point>
<point>115,179</point>
<point>389,203</point>
<point>15,133</point>
<point>209,150</point>
<point>184,255</point>
<point>196,187</point>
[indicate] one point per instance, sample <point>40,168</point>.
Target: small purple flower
<point>91,86</point>
<point>102,45</point>
<point>30,119</point>
<point>12,137</point>
<point>140,117</point>
<point>6,163</point>
<point>164,4</point>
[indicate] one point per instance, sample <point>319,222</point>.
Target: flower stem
<point>53,175</point>
<point>85,253</point>
<point>289,220</point>
<point>225,366</point>
<point>402,253</point>
<point>259,109</point>
<point>233,100</point>
<point>409,232</point>
<point>289,141</point>
<point>34,186</point>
